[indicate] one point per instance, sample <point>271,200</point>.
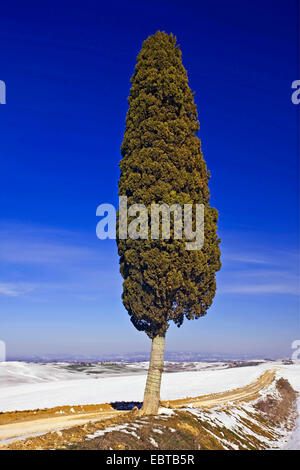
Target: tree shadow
<point>126,405</point>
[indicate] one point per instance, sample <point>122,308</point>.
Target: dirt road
<point>22,429</point>
<point>247,393</point>
<point>22,425</point>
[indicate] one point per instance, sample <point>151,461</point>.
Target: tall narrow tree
<point>161,163</point>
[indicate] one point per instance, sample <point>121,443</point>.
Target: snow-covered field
<point>25,386</point>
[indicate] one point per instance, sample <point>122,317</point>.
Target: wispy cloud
<point>25,244</point>
<point>15,289</point>
<point>40,261</point>
<point>260,289</point>
<point>272,271</point>
<point>30,252</point>
<point>240,258</point>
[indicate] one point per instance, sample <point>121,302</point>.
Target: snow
<point>192,384</point>
<point>293,376</point>
<point>225,419</point>
<point>127,429</point>
<point>133,433</point>
<point>153,442</point>
<point>158,431</point>
<point>165,411</point>
<point>27,386</point>
<point>236,419</point>
<point>294,441</point>
<point>101,432</point>
<point>16,373</point>
<point>25,436</point>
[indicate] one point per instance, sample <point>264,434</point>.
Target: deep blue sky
<point>67,68</point>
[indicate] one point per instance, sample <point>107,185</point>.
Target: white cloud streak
<point>15,289</point>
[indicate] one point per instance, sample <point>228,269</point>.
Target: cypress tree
<point>161,163</point>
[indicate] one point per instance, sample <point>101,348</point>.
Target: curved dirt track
<point>23,425</point>
<point>247,393</point>
<point>21,429</point>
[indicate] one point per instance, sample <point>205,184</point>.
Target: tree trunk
<point>152,390</point>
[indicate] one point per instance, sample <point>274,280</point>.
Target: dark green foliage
<point>163,163</point>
